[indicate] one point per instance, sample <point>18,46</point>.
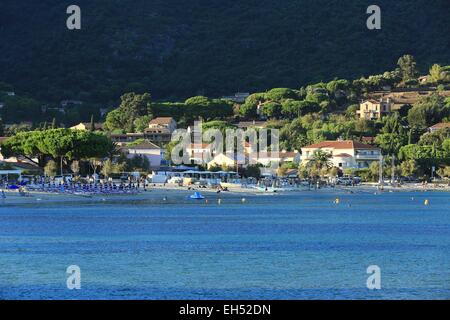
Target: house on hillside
<point>146,149</point>
<point>344,154</point>
<point>374,109</point>
<point>161,123</point>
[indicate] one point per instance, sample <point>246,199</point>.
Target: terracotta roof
<point>371,101</point>
<point>345,144</point>
<point>441,125</point>
<point>288,154</point>
<point>343,155</point>
<point>162,120</point>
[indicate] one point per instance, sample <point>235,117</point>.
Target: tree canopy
<point>57,144</point>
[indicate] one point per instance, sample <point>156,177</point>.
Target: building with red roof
<point>344,153</point>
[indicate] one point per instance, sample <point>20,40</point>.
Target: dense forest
<point>176,49</point>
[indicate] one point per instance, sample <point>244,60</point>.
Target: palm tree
<point>319,164</point>
<point>320,160</point>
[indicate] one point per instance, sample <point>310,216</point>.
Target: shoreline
<point>160,191</point>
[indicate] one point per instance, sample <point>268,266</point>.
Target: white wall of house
<point>357,158</point>
<point>154,156</point>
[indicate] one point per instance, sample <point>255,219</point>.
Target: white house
<point>374,109</point>
<point>345,153</point>
<point>199,152</point>
<point>268,158</point>
<point>147,149</point>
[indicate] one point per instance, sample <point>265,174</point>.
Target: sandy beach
<point>171,193</point>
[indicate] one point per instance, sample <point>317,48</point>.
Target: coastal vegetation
<point>59,147</point>
<point>307,115</point>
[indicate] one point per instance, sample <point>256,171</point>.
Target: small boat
<point>196,196</point>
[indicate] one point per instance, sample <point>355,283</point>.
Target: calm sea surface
<point>296,246</point>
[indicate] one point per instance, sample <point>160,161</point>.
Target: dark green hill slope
<point>179,48</point>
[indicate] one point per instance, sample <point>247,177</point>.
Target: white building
<point>199,152</point>
<point>344,154</point>
<point>268,158</point>
<point>372,109</point>
<point>146,149</point>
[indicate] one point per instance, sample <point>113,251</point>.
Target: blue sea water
<point>293,246</point>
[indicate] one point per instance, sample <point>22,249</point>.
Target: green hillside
<point>177,48</point>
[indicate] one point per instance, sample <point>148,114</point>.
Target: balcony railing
<point>367,156</point>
